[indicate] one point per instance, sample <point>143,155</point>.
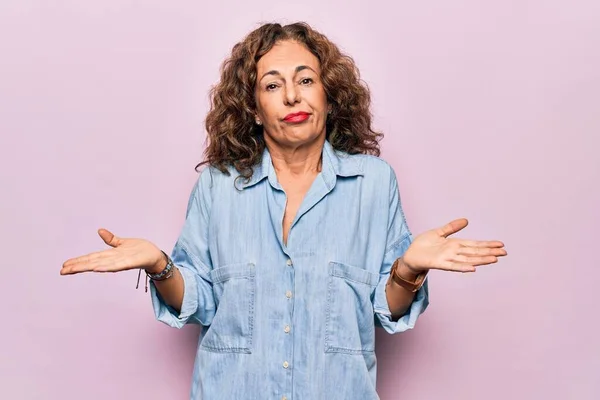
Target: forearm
<point>171,290</point>
<point>399,299</point>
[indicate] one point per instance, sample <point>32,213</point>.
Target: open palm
<point>124,254</point>
<point>435,250</point>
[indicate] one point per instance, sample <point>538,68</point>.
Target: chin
<point>296,136</point>
<point>304,134</point>
<point>303,139</point>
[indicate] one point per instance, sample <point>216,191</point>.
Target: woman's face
<point>291,101</point>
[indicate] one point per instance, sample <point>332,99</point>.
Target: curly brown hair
<point>233,137</point>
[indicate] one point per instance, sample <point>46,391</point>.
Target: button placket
<point>286,325</point>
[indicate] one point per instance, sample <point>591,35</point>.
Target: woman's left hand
<point>434,250</point>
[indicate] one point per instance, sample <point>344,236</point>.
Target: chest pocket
<point>231,330</point>
<point>350,322</point>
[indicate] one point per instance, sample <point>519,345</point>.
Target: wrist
<point>403,275</point>
<point>405,271</point>
<point>159,266</point>
<point>413,269</point>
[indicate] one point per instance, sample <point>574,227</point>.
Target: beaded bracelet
<point>166,273</point>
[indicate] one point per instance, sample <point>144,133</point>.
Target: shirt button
<point>287,329</point>
<point>289,262</point>
<point>285,364</point>
<point>288,294</point>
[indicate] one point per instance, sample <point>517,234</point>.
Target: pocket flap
<point>351,273</point>
<point>232,271</point>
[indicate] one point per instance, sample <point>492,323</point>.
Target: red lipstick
<point>297,117</point>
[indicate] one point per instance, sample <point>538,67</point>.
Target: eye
<point>271,87</point>
<point>306,81</point>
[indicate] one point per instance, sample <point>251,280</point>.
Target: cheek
<point>321,109</point>
<point>268,111</point>
<point>320,103</point>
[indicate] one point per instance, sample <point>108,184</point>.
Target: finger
<point>108,265</point>
<point>103,264</point>
<point>453,227</point>
<point>108,237</point>
<point>481,251</point>
<point>87,258</point>
<point>482,243</point>
<point>86,262</point>
<point>458,267</point>
<point>78,268</point>
<point>476,260</point>
<point>82,265</point>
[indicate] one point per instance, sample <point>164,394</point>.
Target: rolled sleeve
<point>168,315</point>
<point>409,319</point>
<point>198,306</point>
<point>401,237</point>
<point>191,256</point>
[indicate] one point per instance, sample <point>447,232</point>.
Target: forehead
<point>285,57</point>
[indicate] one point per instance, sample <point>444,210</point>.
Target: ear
<point>257,120</point>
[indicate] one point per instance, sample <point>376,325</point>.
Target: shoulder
<point>369,166</point>
<point>210,178</point>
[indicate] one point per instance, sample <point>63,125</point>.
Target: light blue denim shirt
<point>293,321</point>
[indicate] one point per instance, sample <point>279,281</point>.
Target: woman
<point>295,246</point>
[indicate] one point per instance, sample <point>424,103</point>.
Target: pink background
<point>491,110</point>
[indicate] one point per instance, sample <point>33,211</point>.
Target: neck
<point>297,160</point>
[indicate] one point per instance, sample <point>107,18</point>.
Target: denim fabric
<point>293,321</point>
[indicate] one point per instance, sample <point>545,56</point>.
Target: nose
<point>292,95</point>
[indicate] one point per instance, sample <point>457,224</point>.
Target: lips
<point>296,117</point>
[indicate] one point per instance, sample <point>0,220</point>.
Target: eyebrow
<point>277,73</point>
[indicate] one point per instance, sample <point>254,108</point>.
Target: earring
<point>258,122</point>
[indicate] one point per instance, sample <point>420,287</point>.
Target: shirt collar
<point>335,163</point>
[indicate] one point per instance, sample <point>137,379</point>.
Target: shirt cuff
<point>409,319</point>
<point>167,314</point>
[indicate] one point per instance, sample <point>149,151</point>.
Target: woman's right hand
<point>124,254</point>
